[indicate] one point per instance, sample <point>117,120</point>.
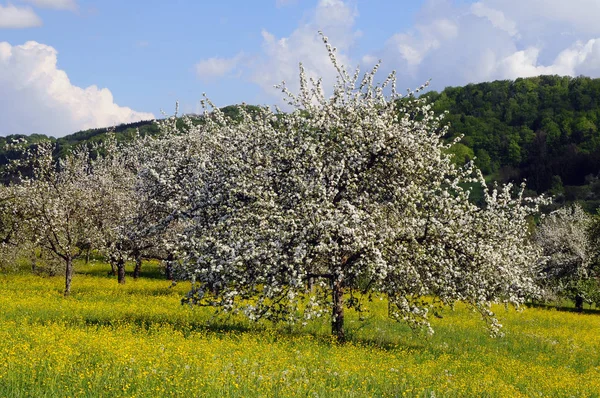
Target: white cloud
<point>57,4</point>
<point>580,58</point>
<point>451,42</point>
<point>543,15</point>
<point>495,39</point>
<point>280,56</point>
<point>39,98</point>
<point>211,68</point>
<point>12,17</point>
<point>413,46</point>
<point>497,18</point>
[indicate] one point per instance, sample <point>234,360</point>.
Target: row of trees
<point>291,215</point>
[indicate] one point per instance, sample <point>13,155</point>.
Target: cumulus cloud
<point>37,97</point>
<point>12,17</point>
<point>56,4</point>
<point>456,44</point>
<point>496,17</point>
<point>545,15</point>
<point>451,42</point>
<point>413,46</point>
<point>211,68</point>
<point>280,56</point>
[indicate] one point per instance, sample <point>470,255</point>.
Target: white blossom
<point>352,195</point>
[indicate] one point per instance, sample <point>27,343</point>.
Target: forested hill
<point>543,129</point>
<point>122,132</point>
<point>63,144</point>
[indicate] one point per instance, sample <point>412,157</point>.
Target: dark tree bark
<point>121,271</point>
<point>337,316</point>
<point>68,275</point>
<point>579,303</point>
<point>169,267</point>
<point>138,266</point>
<point>113,266</point>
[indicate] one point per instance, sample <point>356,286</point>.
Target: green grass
<point>137,340</point>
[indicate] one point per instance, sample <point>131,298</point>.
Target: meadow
<point>136,340</point>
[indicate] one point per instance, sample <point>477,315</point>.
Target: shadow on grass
<point>223,327</point>
<point>103,270</point>
<point>219,329</point>
<point>564,308</point>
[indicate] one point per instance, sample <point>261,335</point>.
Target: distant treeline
<point>543,129</point>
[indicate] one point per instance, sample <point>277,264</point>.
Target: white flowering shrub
<point>353,195</point>
<point>564,237</point>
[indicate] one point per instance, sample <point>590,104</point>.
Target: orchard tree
<point>114,180</point>
<point>564,237</point>
<point>167,173</point>
<point>134,206</point>
<point>57,203</point>
<point>354,193</point>
<point>138,185</point>
<point>12,233</point>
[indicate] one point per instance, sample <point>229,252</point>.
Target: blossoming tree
<point>353,194</point>
<point>57,204</point>
<point>564,236</point>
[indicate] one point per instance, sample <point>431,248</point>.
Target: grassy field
<point>136,340</point>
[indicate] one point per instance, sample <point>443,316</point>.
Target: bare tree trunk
<point>121,271</point>
<point>337,316</point>
<point>138,266</point>
<point>34,261</point>
<point>113,265</point>
<point>169,267</point>
<point>579,303</point>
<point>87,255</point>
<point>68,275</point>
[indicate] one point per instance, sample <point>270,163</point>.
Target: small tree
<point>56,203</point>
<point>564,237</point>
<point>12,235</point>
<point>114,179</point>
<point>355,193</point>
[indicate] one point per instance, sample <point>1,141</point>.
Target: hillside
<point>543,129</point>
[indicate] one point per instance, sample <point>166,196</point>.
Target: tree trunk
<point>310,286</point>
<point>68,275</point>
<point>87,255</point>
<point>121,271</point>
<point>579,303</point>
<point>337,316</point>
<point>138,266</point>
<point>169,267</point>
<point>113,266</point>
<point>34,261</point>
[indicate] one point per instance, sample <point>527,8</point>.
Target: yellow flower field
<point>136,340</point>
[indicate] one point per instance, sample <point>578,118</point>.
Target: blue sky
<point>67,65</point>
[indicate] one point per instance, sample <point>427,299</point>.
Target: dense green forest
<point>543,129</point>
